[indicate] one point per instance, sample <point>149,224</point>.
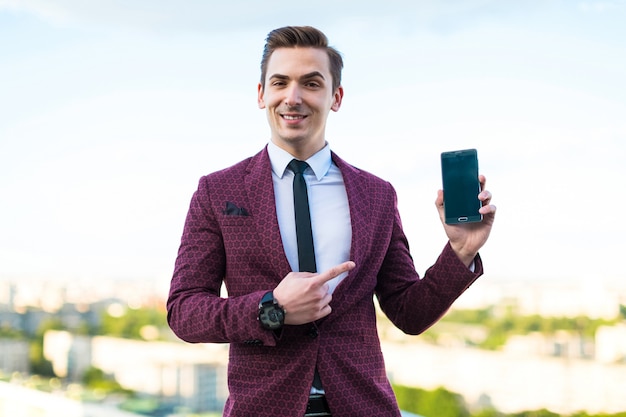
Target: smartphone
<point>459,172</point>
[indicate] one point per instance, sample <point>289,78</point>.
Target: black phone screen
<point>461,187</point>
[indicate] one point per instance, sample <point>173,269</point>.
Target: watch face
<point>275,316</point>
<point>272,317</point>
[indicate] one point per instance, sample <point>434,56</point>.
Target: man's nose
<point>293,96</point>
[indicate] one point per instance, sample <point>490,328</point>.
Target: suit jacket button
<point>313,333</point>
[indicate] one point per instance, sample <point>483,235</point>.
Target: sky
<point>111,111</point>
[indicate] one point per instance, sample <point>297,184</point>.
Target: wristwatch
<point>271,314</point>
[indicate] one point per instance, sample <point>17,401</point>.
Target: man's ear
<point>260,100</point>
<point>337,98</point>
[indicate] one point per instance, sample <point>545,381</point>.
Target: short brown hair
<point>306,36</point>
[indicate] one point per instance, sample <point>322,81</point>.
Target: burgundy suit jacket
<point>271,374</point>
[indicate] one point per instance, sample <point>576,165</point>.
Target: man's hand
<point>467,239</point>
<point>304,295</point>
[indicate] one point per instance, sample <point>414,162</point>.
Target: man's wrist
<point>466,258</point>
<point>271,314</point>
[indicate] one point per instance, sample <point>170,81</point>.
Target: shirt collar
<point>319,162</point>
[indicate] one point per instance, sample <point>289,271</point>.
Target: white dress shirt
<point>328,204</point>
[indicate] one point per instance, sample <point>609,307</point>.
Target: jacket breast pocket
<point>236,221</point>
<point>240,236</point>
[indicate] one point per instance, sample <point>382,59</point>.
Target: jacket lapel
<point>359,201</point>
<point>260,190</point>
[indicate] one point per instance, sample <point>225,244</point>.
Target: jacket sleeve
<point>412,303</point>
<point>196,312</point>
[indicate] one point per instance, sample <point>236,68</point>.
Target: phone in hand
<point>459,171</point>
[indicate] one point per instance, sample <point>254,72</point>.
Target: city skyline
<point>110,115</point>
<point>579,371</point>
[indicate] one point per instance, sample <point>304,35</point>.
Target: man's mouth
<point>293,117</point>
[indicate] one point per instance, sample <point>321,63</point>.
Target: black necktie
<point>304,235</point>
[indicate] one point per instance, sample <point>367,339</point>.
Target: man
<point>305,343</point>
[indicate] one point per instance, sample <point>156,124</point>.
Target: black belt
<point>317,406</point>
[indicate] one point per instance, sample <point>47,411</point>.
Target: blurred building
<point>14,356</point>
<point>510,381</point>
<point>562,344</point>
<point>592,298</point>
<point>611,344</point>
<point>192,376</point>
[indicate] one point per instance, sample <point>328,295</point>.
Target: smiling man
<point>303,342</point>
<point>298,92</point>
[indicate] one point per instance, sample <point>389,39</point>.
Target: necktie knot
<point>298,167</point>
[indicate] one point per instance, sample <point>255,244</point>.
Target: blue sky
<point>110,113</point>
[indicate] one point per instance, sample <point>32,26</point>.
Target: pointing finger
<point>335,271</point>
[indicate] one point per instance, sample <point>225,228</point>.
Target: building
<point>14,356</point>
<point>193,376</point>
<point>611,344</point>
<point>591,298</point>
<point>511,381</point>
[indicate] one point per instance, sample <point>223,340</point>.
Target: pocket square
<point>233,210</point>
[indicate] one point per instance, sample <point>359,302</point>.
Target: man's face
<point>298,96</point>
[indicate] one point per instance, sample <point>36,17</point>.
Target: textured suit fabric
<point>270,374</point>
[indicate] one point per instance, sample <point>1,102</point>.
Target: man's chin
<point>293,137</point>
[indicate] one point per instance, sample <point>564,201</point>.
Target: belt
<point>317,406</point>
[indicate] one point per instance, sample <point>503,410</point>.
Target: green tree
<point>499,328</point>
<point>488,412</point>
<point>536,413</point>
<point>443,403</point>
<point>38,363</point>
<point>8,332</point>
<point>437,403</point>
<point>130,323</point>
<point>408,398</point>
<point>95,378</point>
